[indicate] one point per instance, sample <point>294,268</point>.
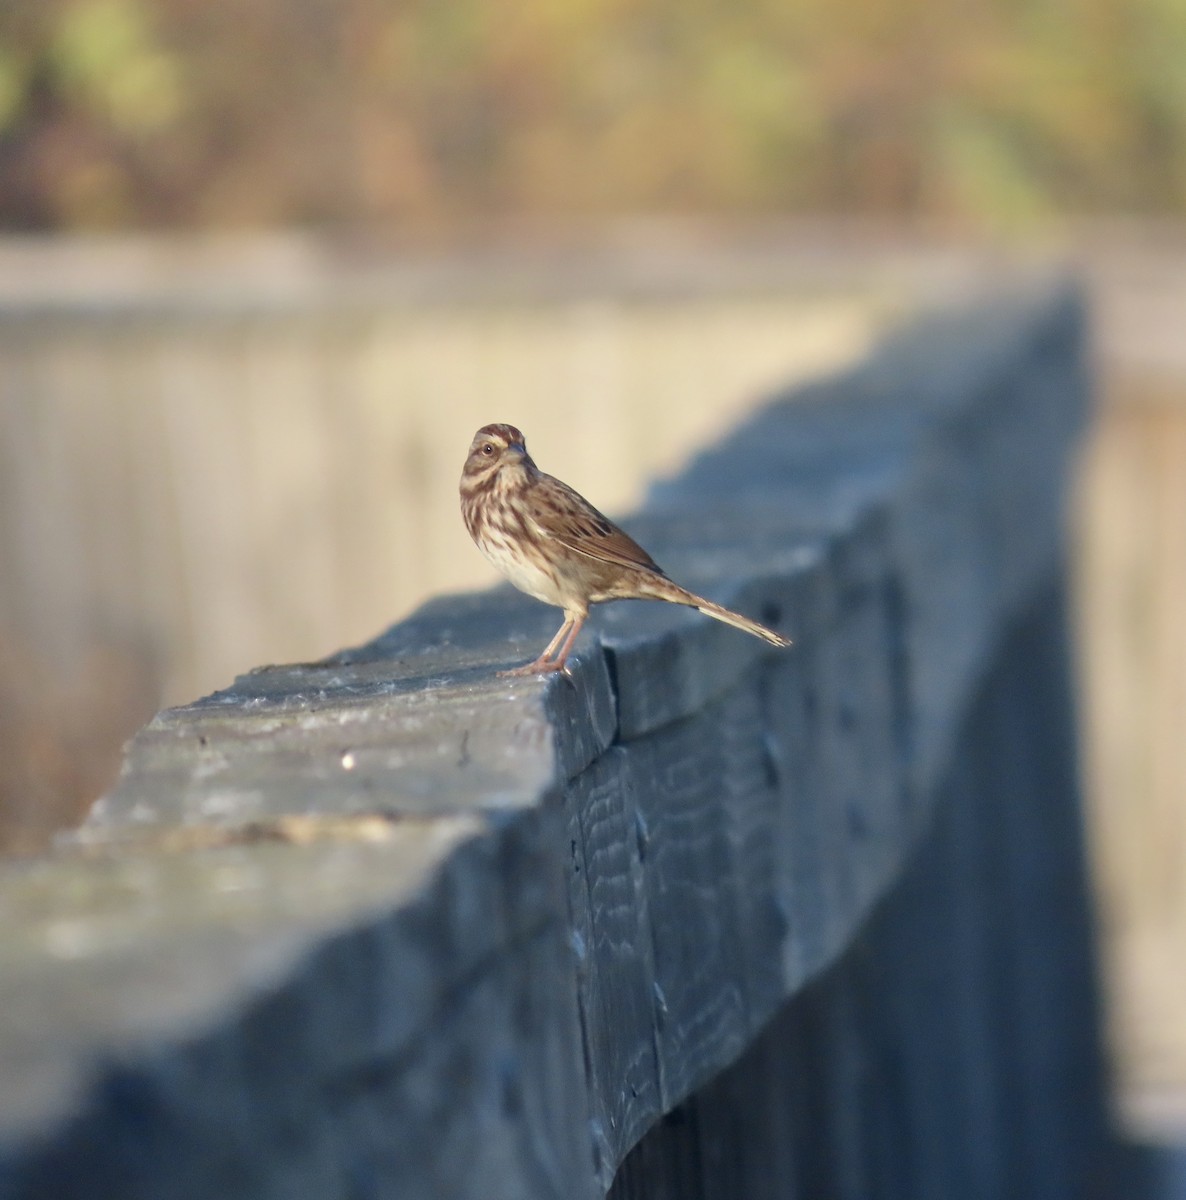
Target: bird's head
<point>496,451</point>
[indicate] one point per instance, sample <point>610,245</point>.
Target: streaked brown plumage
<point>551,543</point>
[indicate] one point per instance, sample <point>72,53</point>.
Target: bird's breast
<point>515,558</point>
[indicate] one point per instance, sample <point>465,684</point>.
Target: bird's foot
<point>541,666</point>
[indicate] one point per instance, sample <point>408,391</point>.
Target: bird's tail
<point>739,622</point>
<point>678,595</point>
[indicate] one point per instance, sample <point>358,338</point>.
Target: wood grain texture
<point>921,1064</point>
<point>388,924</point>
<point>615,956</point>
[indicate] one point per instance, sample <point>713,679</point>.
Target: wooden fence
<point>217,453</point>
<point>259,462</point>
<point>704,919</point>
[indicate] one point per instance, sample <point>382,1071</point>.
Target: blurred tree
<point>215,113</point>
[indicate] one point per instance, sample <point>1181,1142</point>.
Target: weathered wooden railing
<point>391,926</point>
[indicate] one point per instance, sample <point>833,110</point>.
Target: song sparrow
<point>551,543</point>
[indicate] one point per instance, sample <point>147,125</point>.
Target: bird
<point>551,543</point>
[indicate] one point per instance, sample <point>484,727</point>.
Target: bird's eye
<point>488,449</point>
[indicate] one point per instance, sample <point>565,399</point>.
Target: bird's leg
<point>545,661</point>
<point>576,623</point>
<point>550,648</point>
<point>552,659</point>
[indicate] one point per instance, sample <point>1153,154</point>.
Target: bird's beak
<point>518,450</point>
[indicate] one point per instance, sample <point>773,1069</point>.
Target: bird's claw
<point>538,667</point>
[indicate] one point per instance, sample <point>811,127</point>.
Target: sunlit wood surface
<point>214,455</point>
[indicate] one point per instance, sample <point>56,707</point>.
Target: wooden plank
<point>392,924</point>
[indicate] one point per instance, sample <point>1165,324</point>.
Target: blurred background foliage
<point>217,113</point>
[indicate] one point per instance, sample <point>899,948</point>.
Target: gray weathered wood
<point>389,925</point>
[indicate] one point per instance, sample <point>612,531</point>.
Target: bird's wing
<point>573,522</point>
